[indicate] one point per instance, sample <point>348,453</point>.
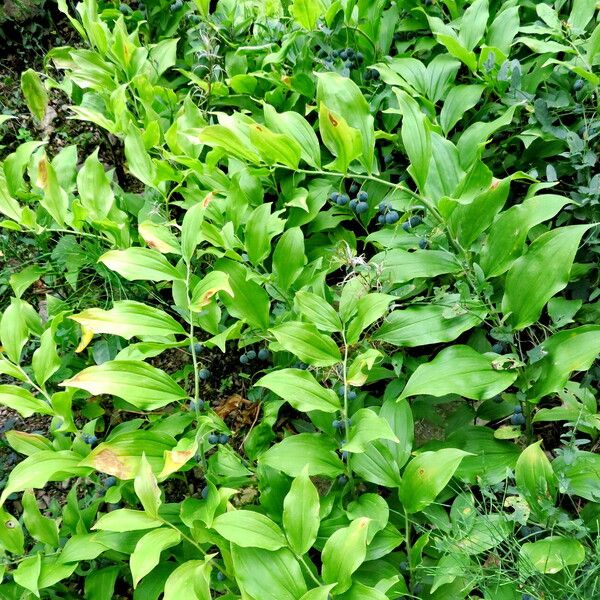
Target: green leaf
<point>249,529</point>
<point>535,478</point>
<point>473,23</point>
<point>317,310</point>
<point>369,308</point>
<point>301,518</point>
<point>207,287</point>
<point>35,93</point>
<point>506,238</point>
<point>45,360</point>
<point>582,12</point>
<point>377,465</point>
<point>191,229</point>
<point>320,593</point>
<point>8,205</point>
<point>138,160</point>
<point>36,470</point>
<point>564,352</point>
<point>459,370</point>
<point>11,533</point>
<point>399,266</point>
<point>93,185</point>
<point>275,148</point>
<point>307,12</point>
<point>427,324</point>
<point>219,136</point>
<point>530,282</point>
<point>44,529</point>
<point>296,452</point>
<point>268,574</point>
<point>27,574</point>
<point>303,340</point>
<point>426,476</point>
<point>127,319</point>
<point>342,140</point>
<point>297,127</point>
<point>343,553</point>
<point>416,138</point>
<point>144,264</point>
<point>552,554</point>
<point>23,401</point>
<point>261,228</point>
<point>146,488</point>
<point>365,427</point>
<point>301,390</point>
<point>148,550</point>
<point>399,416</point>
<point>13,330</point>
<point>249,302</point>
<point>55,199</point>
<point>503,29</point>
<point>288,257</point>
<point>125,519</point>
<point>158,236</point>
<point>191,580</point>
<point>20,281</point>
<point>138,383</point>
<point>343,97</point>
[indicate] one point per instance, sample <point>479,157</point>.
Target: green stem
<point>302,561</point>
<point>345,380</point>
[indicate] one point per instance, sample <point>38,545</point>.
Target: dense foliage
<point>317,318</point>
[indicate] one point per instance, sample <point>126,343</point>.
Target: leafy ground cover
<point>301,302</point>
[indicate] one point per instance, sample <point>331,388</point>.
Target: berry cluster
<point>176,5</point>
<point>517,417</point>
<point>89,438</point>
<point>348,56</point>
<point>193,406</point>
<point>359,204</point>
<point>387,216</point>
<point>412,222</point>
<point>216,438</point>
<point>341,425</point>
<point>372,74</point>
<point>263,354</point>
<point>350,394</point>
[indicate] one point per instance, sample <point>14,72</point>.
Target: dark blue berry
<point>412,222</point>
<point>403,566</point>
<point>244,359</point>
<point>223,438</point>
<point>334,196</point>
<point>341,390</point>
<point>198,347</point>
<point>89,438</point>
<point>213,438</point>
<point>498,348</point>
<point>124,9</point>
<point>220,576</point>
<point>362,196</point>
<point>245,257</point>
<point>110,482</point>
<point>351,395</point>
<point>344,54</point>
<point>498,399</point>
<point>263,354</point>
<point>381,219</point>
<point>199,405</point>
<point>337,424</point>
<point>204,492</point>
<point>344,455</point>
<point>342,480</point>
<point>422,243</point>
<point>349,64</point>
<point>353,204</point>
<point>527,597</point>
<point>359,58</point>
<point>517,419</point>
<point>204,374</point>
<point>392,217</point>
<point>383,206</point>
<point>518,409</point>
<point>362,207</point>
<point>251,354</point>
<point>354,188</point>
<point>578,85</point>
<point>335,53</point>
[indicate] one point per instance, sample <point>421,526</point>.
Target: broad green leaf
<point>416,138</point>
<point>261,228</point>
<point>41,528</point>
<point>191,580</point>
<point>506,238</point>
<point>55,199</point>
<point>369,308</point>
<point>318,311</point>
<point>27,573</point>
<point>301,517</point>
<point>122,456</point>
<point>148,550</point>
<point>127,319</point>
<point>275,148</point>
<point>36,470</point>
<point>342,96</point>
<point>36,96</point>
<point>296,452</point>
<point>426,476</point>
<point>125,519</point>
<point>11,533</point>
<point>207,287</point>
<point>158,236</point>
<point>301,390</point>
<point>365,427</point>
<point>191,229</point>
<point>144,264</point>
<point>564,352</point>
<point>459,370</point>
<point>307,12</point>
<point>445,171</point>
<point>23,401</point>
<point>503,29</point>
<point>428,324</point>
<point>551,554</point>
<point>8,205</point>
<point>305,341</point>
<point>268,574</point>
<point>400,265</point>
<point>45,360</point>
<point>138,383</point>
<point>249,529</point>
<point>581,13</point>
<point>451,566</point>
<point>377,465</point>
<point>93,185</point>
<point>13,330</point>
<point>473,23</point>
<point>540,273</point>
<point>343,553</point>
<point>20,281</point>
<point>250,301</point>
<point>358,371</point>
<point>320,593</point>
<point>581,471</point>
<point>297,127</point>
<point>219,136</point>
<point>289,258</point>
<point>342,140</point>
<point>138,160</point>
<point>146,488</point>
<point>535,478</point>
<point>399,416</point>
